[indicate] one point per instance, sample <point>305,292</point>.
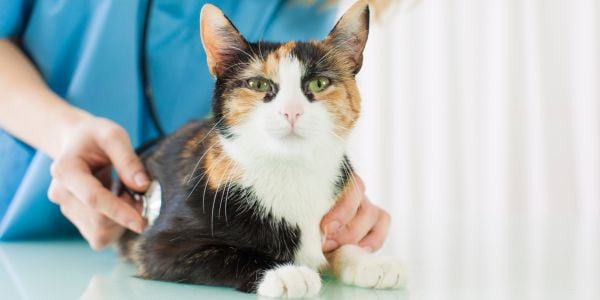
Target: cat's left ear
<point>349,36</point>
<point>221,40</point>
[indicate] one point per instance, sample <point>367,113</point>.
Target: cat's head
<point>285,99</point>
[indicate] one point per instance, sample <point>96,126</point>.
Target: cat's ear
<point>221,40</point>
<point>349,36</point>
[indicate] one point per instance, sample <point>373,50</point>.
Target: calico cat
<point>244,192</point>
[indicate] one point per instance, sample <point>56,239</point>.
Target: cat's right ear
<point>221,40</point>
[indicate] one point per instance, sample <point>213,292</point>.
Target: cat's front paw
<point>290,281</point>
<point>373,272</point>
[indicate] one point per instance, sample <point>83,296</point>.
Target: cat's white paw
<point>373,272</point>
<point>290,281</point>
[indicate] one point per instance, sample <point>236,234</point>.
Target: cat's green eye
<point>318,84</point>
<point>259,84</point>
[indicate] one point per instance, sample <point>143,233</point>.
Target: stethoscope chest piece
<point>151,202</point>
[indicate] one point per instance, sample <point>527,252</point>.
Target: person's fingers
<point>365,219</point>
<point>115,142</point>
<point>103,236</point>
<point>374,240</point>
<point>98,230</point>
<point>57,193</point>
<point>137,205</point>
<point>79,181</point>
<point>346,207</point>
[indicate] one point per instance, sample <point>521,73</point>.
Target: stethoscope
<point>148,96</point>
<point>152,199</point>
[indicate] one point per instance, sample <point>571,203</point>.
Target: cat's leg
<point>292,281</point>
<point>246,270</point>
<point>211,265</point>
<point>355,266</point>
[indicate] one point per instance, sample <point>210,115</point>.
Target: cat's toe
<point>393,276</point>
<point>381,273</point>
<point>290,281</point>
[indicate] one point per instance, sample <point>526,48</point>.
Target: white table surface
<point>70,270</point>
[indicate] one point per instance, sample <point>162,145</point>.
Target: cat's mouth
<point>292,135</point>
<point>286,134</point>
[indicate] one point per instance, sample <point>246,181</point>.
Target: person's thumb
<point>117,146</point>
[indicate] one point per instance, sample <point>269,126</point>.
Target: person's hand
<point>355,220</point>
<point>81,175</point>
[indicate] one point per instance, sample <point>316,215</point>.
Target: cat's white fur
<point>353,265</point>
<point>292,281</point>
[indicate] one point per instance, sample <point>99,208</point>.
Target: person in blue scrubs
<point>73,103</point>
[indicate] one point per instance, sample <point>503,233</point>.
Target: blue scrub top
<point>89,51</point>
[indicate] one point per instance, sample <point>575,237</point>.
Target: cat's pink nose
<point>292,115</point>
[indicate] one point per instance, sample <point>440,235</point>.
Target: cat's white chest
<point>298,189</point>
<point>300,196</point>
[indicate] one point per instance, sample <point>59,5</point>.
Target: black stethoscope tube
<point>148,96</point>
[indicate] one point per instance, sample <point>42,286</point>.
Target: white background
<point>480,134</point>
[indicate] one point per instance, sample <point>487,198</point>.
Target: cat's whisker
<point>229,175</point>
<point>241,50</point>
<point>260,41</point>
<point>201,177</point>
<point>254,52</point>
<point>212,211</point>
<point>208,171</point>
<point>207,150</point>
<point>235,65</point>
<point>260,51</point>
<point>227,195</point>
<point>191,178</point>
<point>202,140</point>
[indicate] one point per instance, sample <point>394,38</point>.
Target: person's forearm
<point>29,110</point>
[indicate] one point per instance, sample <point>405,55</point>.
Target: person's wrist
<point>68,120</point>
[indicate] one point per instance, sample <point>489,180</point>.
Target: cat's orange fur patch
<point>190,148</point>
<point>219,168</point>
<point>343,102</point>
<point>240,103</point>
<point>242,100</point>
<point>270,66</point>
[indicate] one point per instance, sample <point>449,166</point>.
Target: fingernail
<point>333,227</point>
<point>368,249</point>
<point>135,226</point>
<point>141,179</point>
<point>329,245</point>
